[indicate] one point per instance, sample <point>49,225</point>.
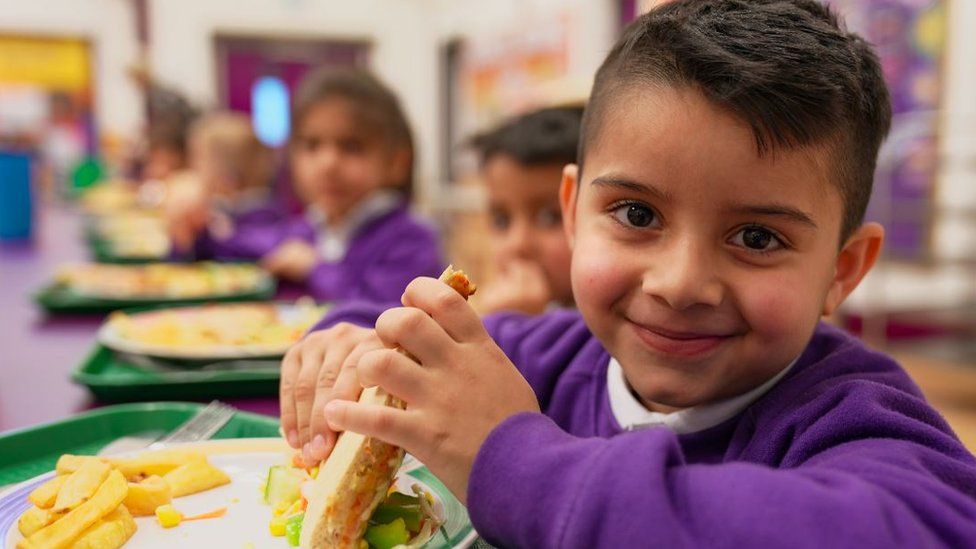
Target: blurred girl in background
<point>352,157</point>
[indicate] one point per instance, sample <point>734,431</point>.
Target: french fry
<point>34,519</point>
<point>110,532</point>
<point>80,485</point>
<point>64,531</point>
<point>44,495</point>
<point>69,463</point>
<point>144,497</point>
<point>155,462</point>
<point>193,477</point>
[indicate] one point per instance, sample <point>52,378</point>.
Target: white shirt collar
<point>333,242</point>
<point>631,414</point>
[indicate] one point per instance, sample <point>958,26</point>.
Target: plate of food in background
<point>97,287</point>
<point>213,331</point>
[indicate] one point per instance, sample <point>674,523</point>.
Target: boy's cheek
<point>600,278</point>
<point>776,308</point>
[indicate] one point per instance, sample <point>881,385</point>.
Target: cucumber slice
<point>284,485</point>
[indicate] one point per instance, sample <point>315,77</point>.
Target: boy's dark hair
<point>376,107</point>
<point>786,67</point>
<point>544,136</point>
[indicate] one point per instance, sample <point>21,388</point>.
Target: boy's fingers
<point>312,357</point>
<point>392,425</point>
<point>345,387</point>
<point>394,373</point>
<point>416,332</point>
<point>290,366</point>
<point>449,308</point>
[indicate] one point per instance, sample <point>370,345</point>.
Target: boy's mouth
<point>679,343</point>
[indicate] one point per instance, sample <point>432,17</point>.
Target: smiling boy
<point>695,399</point>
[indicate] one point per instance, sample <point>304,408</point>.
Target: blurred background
<point>92,90</point>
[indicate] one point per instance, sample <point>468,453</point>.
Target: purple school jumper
<point>842,452</point>
<point>251,234</point>
<point>383,256</point>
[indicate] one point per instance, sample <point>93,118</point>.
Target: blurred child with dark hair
<point>352,157</point>
<point>521,165</point>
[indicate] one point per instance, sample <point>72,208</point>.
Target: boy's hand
<point>316,370</point>
<point>292,260</point>
<point>465,387</point>
<point>520,286</point>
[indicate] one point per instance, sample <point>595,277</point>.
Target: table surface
<point>38,351</point>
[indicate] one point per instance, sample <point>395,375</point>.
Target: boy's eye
<point>310,143</point>
<point>500,220</point>
<point>757,238</point>
<point>352,146</point>
<point>634,214</point>
<point>547,218</point>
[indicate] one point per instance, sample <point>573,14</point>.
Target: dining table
<point>38,350</point>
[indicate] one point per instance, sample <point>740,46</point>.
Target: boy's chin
<point>668,393</point>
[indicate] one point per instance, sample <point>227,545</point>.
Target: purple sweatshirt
<point>251,234</point>
<point>383,256</point>
<point>842,452</point>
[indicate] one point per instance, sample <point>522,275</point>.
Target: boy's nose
<point>683,276</point>
<point>327,158</point>
<point>519,242</point>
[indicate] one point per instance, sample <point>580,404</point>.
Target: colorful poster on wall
<point>909,36</point>
<point>502,74</point>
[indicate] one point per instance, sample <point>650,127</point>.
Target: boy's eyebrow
<point>779,210</point>
<point>624,183</point>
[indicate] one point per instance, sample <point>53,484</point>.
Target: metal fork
<point>202,426</point>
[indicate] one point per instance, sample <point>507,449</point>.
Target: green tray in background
<point>102,252</point>
<point>57,298</point>
<point>112,378</point>
<point>26,453</point>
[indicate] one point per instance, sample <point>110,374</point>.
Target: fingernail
<point>317,448</point>
<point>293,438</point>
<point>307,455</point>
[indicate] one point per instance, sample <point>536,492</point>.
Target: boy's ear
<point>853,262</point>
<point>567,200</point>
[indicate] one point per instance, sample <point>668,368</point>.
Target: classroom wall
<point>109,26</point>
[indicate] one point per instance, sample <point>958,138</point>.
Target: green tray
<point>26,453</point>
<point>102,252</point>
<point>57,298</point>
<point>112,378</point>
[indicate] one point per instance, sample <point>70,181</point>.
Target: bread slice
<point>358,473</point>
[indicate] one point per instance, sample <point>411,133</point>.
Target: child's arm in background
<point>380,275</point>
<point>291,260</point>
<point>530,484</point>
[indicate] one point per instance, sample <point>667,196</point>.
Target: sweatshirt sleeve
<point>534,485</point>
<point>381,278</point>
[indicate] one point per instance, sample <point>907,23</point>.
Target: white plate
<point>246,461</point>
<point>110,336</point>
